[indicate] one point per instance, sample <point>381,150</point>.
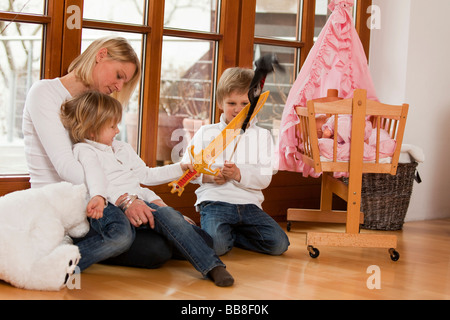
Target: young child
<point>230,203</point>
<point>114,172</point>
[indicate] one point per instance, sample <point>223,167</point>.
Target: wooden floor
<point>423,272</point>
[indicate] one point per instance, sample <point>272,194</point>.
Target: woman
<point>110,66</point>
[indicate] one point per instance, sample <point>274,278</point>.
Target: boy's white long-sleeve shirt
<point>253,155</point>
<point>111,171</point>
<point>48,148</point>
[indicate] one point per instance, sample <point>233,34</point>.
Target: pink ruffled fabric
<point>336,61</point>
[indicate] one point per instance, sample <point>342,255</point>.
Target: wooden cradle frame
<point>389,117</point>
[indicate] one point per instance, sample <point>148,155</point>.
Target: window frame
<point>236,26</point>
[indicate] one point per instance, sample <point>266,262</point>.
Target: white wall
<point>410,62</point>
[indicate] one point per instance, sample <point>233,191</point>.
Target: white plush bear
<point>33,226</point>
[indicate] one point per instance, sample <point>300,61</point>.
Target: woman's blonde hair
<point>86,114</point>
<point>119,49</point>
<point>233,80</point>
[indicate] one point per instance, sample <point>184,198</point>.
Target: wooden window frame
<point>237,20</point>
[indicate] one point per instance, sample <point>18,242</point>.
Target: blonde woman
<point>111,66</point>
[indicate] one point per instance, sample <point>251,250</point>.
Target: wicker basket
<point>385,198</point>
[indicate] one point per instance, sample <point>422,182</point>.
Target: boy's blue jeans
<point>243,225</point>
<point>113,234</point>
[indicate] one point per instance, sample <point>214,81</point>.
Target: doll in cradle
<point>326,132</point>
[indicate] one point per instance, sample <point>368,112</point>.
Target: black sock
<point>221,277</point>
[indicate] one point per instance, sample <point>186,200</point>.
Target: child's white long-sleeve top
<point>253,155</point>
<point>116,170</point>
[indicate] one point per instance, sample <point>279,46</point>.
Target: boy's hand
<point>95,207</point>
<point>219,179</point>
<point>231,171</point>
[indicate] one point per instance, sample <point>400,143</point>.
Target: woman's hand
<point>137,212</point>
<point>95,207</point>
<point>140,213</point>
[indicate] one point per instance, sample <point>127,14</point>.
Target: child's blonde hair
<point>233,80</point>
<point>119,49</point>
<point>86,114</point>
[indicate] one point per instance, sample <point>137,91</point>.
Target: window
<point>288,29</point>
<point>277,19</point>
<point>278,31</point>
<point>195,15</point>
<point>21,45</point>
<point>184,47</point>
<point>279,85</point>
<point>20,66</point>
<point>124,11</point>
<point>188,66</point>
<point>186,94</point>
<point>23,6</point>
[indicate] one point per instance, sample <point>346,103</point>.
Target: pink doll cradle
<point>337,61</point>
<point>385,118</point>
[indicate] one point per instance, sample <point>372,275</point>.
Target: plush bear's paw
<point>71,269</point>
<point>53,272</point>
<point>67,265</point>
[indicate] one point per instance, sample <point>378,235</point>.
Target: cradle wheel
<point>394,254</point>
<point>288,226</point>
<point>313,252</point>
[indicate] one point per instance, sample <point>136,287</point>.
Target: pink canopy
<point>336,61</point>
